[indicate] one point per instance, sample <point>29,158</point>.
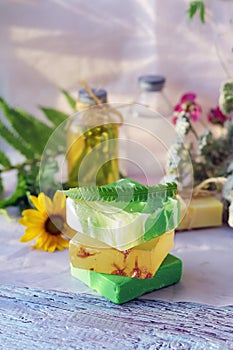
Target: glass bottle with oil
<point>92,141</point>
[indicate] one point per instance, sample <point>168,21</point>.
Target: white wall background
<point>48,44</point>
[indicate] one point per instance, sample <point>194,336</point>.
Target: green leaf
<point>4,160</point>
<point>226,98</point>
<point>40,132</point>
<point>1,185</point>
<point>70,99</point>
<point>20,192</point>
<point>202,12</point>
<point>33,132</point>
<point>194,7</point>
<point>16,141</point>
<point>122,191</point>
<point>55,116</point>
<point>24,127</point>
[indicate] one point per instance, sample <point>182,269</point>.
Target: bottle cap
<point>151,82</point>
<point>85,98</point>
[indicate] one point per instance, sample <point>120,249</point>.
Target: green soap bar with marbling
<point>120,289</point>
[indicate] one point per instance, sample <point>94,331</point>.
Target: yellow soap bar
<point>202,212</point>
<point>141,261</point>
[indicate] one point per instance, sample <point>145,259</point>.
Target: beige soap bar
<point>141,261</point>
<point>202,212</point>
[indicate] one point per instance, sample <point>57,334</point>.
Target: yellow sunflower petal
<point>45,202</point>
<point>23,221</point>
<point>33,217</point>
<point>29,235</point>
<point>34,212</point>
<point>35,201</point>
<point>63,242</point>
<point>52,248</point>
<point>37,224</point>
<point>48,243</point>
<point>41,240</point>
<point>40,244</point>
<point>59,202</point>
<point>60,247</point>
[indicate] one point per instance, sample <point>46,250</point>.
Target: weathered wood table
<point>32,319</point>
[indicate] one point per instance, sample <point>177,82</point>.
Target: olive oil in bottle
<point>92,141</point>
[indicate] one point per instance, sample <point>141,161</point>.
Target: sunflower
<point>47,223</point>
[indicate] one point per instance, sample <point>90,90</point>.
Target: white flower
<point>182,126</point>
<point>173,158</point>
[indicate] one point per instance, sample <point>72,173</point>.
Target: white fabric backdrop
<point>48,44</point>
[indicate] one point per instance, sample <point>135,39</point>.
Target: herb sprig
<point>122,191</point>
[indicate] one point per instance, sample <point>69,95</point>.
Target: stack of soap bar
<point>141,261</point>
<point>202,212</point>
<point>125,232</point>
<point>120,289</point>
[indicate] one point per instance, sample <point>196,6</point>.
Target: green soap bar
<point>120,289</point>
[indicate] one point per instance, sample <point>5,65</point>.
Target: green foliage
<point>4,160</point>
<point>39,130</point>
<point>1,185</point>
<point>55,116</point>
<point>215,153</point>
<point>194,8</point>
<point>30,131</point>
<point>28,136</point>
<point>18,195</point>
<point>16,141</point>
<point>122,192</point>
<point>212,158</point>
<point>226,98</point>
<point>71,101</point>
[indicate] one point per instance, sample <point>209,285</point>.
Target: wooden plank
<point>35,319</point>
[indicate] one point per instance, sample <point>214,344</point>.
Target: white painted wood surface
<point>36,319</point>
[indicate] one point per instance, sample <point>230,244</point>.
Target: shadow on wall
<point>192,51</point>
<point>60,43</point>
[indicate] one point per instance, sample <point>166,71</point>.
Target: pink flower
<point>178,108</point>
<point>188,106</point>
<point>216,116</point>
<point>190,96</point>
<point>195,111</point>
<point>174,120</point>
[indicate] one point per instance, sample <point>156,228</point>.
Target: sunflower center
<point>54,225</point>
